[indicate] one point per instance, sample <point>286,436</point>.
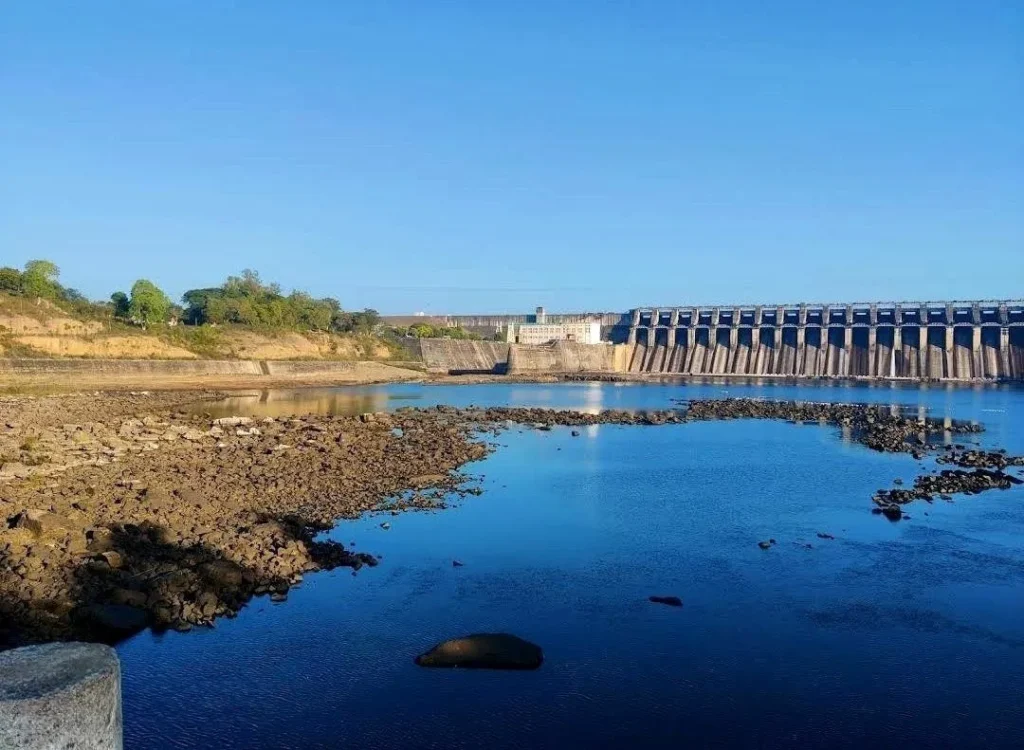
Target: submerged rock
<point>672,601</point>
<point>484,651</point>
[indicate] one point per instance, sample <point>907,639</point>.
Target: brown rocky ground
<point>119,511</point>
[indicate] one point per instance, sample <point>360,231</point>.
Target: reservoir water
<point>907,634</point>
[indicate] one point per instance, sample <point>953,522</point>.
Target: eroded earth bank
<point>122,511</point>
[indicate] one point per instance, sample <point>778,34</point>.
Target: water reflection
<point>287,402</point>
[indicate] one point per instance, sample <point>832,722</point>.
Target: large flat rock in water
<point>484,651</point>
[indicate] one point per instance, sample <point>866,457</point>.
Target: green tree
<point>148,304</point>
<point>422,331</point>
<point>121,305</point>
<point>10,280</point>
<point>365,321</point>
<point>40,279</point>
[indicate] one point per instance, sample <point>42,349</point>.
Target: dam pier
<point>978,340</point>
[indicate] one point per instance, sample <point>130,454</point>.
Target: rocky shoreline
<point>119,512</point>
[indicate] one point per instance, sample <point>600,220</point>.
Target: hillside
<point>38,328</point>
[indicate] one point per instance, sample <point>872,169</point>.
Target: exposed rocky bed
<point>193,516</point>
<point>987,472</point>
<point>123,511</point>
<point>881,428</point>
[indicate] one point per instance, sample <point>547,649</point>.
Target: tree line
<point>241,300</point>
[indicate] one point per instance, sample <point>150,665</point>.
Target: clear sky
<point>486,156</point>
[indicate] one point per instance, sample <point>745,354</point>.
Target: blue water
<point>892,635</point>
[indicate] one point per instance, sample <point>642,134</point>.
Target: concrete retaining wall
<point>116,367</point>
<point>165,373</point>
<point>565,356</point>
<point>446,355</point>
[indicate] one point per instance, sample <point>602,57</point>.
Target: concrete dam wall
<point>922,341</point>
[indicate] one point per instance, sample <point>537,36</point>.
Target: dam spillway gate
<point>975,340</point>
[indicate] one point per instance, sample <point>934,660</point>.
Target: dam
<point>976,340</point>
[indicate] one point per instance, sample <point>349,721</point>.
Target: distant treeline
<point>243,300</point>
<point>247,300</point>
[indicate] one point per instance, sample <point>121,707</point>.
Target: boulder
<point>44,523</point>
<point>222,573</point>
<point>232,421</point>
<point>484,651</point>
<point>112,558</point>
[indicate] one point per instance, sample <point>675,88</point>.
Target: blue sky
<point>493,156</point>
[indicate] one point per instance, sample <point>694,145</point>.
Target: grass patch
<point>202,340</point>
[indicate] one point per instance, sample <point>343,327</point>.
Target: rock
<point>112,558</point>
<point>892,512</point>
<point>222,573</point>
<point>251,432</point>
<point>128,596</point>
<point>232,421</point>
<point>15,469</point>
<point>484,651</point>
<point>385,526</point>
<point>575,433</point>
<point>207,603</point>
<point>765,545</point>
<point>897,482</point>
<point>456,564</point>
<point>43,523</point>
<point>368,417</point>
<point>672,601</point>
<point>822,535</point>
<point>99,538</point>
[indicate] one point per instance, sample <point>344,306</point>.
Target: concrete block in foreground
<point>60,695</point>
